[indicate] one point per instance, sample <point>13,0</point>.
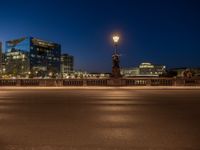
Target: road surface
<point>99,119</point>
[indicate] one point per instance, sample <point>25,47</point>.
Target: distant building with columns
<point>144,69</point>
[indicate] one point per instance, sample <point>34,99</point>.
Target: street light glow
<point>115,38</point>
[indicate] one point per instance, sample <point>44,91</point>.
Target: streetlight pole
<point>116,40</point>
<point>115,59</point>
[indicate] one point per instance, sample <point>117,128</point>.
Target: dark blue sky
<point>158,31</point>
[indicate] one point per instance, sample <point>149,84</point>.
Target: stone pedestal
<point>116,82</point>
<point>116,72</point>
<point>115,66</point>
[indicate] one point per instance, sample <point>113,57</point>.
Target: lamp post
<point>116,40</point>
<point>115,58</point>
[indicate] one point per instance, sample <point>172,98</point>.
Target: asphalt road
<point>103,119</point>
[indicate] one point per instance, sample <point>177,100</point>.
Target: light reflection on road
<point>91,119</point>
<point>113,108</point>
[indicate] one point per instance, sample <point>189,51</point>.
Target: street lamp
<point>115,59</point>
<point>116,40</point>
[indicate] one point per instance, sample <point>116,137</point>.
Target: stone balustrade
<point>138,81</point>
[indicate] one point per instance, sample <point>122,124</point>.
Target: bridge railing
<point>99,82</point>
<point>150,82</point>
<point>9,82</point>
<point>72,82</point>
<point>103,82</point>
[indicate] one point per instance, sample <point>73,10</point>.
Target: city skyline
<point>155,31</point>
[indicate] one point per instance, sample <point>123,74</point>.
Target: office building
<point>29,55</point>
<point>17,63</point>
<point>67,64</point>
<point>1,58</point>
<point>3,65</point>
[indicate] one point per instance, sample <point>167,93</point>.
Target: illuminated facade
<point>17,62</point>
<point>144,69</point>
<point>1,58</point>
<point>3,65</point>
<point>67,64</point>
<point>29,55</point>
<point>148,69</point>
<point>129,72</point>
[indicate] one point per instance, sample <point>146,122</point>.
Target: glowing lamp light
<point>115,39</point>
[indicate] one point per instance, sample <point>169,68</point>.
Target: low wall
<point>155,81</point>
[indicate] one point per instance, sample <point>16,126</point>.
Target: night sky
<point>162,32</point>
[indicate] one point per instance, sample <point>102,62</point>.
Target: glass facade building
<point>29,55</point>
<point>67,64</point>
<point>1,58</point>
